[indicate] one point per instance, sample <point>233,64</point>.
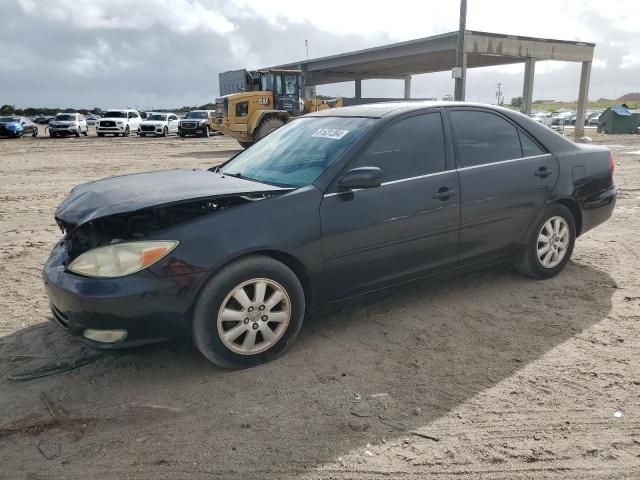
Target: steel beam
<point>358,92</point>
<point>583,98</point>
<point>407,87</point>
<point>527,91</point>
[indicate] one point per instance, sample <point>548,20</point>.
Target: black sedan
<point>331,206</point>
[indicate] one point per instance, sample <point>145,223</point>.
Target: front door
<point>505,178</point>
<point>403,229</point>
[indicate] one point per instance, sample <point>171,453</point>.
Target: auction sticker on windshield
<point>333,133</point>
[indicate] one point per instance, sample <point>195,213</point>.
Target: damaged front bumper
<point>149,307</point>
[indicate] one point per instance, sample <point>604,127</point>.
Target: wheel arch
<point>296,266</point>
<point>265,115</point>
<point>574,208</point>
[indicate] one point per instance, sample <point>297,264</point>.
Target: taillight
<point>612,165</point>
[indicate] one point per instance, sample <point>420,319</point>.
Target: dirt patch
<point>514,378</point>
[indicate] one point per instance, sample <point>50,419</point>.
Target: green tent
<point>618,119</point>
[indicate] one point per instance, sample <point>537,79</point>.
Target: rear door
<point>505,178</point>
<point>406,227</point>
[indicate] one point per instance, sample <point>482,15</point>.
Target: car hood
<point>197,120</point>
<point>155,123</point>
<point>129,193</point>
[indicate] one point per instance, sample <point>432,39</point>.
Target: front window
<point>9,119</point>
<point>290,84</point>
<point>157,117</point>
<point>116,114</point>
<point>65,118</point>
<point>296,154</point>
<point>199,115</point>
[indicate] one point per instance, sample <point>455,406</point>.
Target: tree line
<point>50,112</point>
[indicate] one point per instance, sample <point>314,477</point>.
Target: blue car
<point>16,127</point>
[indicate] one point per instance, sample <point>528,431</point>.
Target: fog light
<point>105,336</point>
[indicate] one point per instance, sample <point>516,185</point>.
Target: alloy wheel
<point>553,242</point>
<point>254,316</point>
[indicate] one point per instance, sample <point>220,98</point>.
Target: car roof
<point>379,110</point>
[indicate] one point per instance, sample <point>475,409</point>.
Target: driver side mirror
<point>361,177</point>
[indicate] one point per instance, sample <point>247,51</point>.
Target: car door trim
<point>391,182</point>
<point>504,161</point>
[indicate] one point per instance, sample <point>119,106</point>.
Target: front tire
<point>551,243</point>
<point>248,313</point>
<point>127,131</point>
<point>268,126</point>
<point>35,132</point>
<point>165,132</point>
<point>245,144</point>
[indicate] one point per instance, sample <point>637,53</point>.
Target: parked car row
<point>565,117</point>
<point>117,122</point>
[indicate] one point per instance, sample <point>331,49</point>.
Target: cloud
<point>152,53</point>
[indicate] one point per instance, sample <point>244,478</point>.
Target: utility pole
<point>306,46</point>
<point>460,72</point>
<point>499,95</point>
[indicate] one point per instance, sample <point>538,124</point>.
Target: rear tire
<point>245,144</point>
<point>551,243</point>
<point>268,126</point>
<point>262,338</point>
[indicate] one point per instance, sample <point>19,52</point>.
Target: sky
<point>168,53</point>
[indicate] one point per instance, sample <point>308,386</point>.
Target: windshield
<point>9,119</point>
<point>157,117</point>
<point>296,154</point>
<point>116,114</point>
<point>65,118</point>
<point>196,115</point>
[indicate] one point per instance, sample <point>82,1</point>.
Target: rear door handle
<point>543,172</point>
<point>444,193</point>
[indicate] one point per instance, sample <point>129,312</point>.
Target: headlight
<point>121,259</point>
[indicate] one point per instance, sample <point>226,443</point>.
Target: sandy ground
<point>484,375</point>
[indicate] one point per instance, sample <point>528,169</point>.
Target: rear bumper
<point>597,208</point>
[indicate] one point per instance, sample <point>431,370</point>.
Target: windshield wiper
<point>244,177</point>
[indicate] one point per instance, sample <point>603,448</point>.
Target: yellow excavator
<point>254,103</point>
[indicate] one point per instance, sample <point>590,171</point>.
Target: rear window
<point>485,138</point>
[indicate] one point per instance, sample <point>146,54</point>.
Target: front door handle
<point>444,193</point>
<point>543,172</point>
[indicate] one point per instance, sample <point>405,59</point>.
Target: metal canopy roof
<point>437,54</point>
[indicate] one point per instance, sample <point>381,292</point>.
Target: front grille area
<point>188,125</point>
<point>107,124</point>
<point>148,128</point>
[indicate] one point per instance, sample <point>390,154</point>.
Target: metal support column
<point>527,91</point>
<point>358,88</point>
<point>583,98</point>
<point>407,87</point>
<point>461,56</point>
